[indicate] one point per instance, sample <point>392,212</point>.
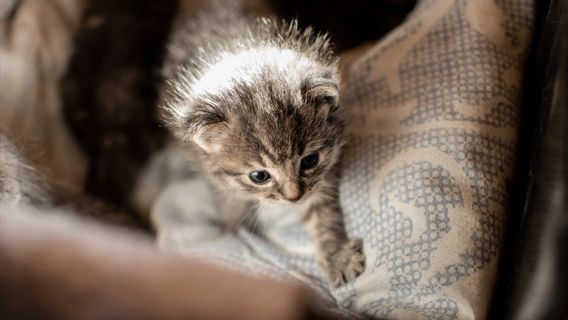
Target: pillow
<point>434,117</point>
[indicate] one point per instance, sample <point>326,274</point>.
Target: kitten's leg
<point>341,258</point>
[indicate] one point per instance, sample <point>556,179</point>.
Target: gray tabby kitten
<point>258,105</point>
<point>21,184</point>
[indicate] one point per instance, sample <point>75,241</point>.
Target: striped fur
<point>249,94</point>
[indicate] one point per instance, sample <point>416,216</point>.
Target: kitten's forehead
<point>276,139</point>
<point>278,135</point>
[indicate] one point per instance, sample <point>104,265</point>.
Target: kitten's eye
<point>259,177</point>
<point>309,161</point>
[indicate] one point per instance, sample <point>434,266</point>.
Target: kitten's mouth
<point>296,200</point>
<point>302,199</point>
<point>290,203</point>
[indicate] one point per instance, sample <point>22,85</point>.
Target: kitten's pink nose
<point>295,198</point>
<point>292,191</point>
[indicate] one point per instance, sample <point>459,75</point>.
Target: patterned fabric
<point>434,111</point>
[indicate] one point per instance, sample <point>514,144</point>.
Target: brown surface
<point>49,270</point>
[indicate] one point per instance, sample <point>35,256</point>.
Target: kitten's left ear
<point>322,93</point>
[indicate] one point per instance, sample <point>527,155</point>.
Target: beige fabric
<point>435,108</point>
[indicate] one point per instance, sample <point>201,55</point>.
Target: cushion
<point>434,112</point>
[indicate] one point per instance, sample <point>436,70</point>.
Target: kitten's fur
<point>249,94</point>
<point>21,184</point>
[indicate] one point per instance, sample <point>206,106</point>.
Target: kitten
<point>257,103</point>
<point>21,184</point>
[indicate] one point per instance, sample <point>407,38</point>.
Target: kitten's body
<point>21,184</point>
<point>255,100</point>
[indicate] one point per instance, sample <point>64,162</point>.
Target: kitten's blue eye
<point>309,161</point>
<point>259,177</point>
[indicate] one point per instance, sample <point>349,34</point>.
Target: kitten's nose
<point>292,191</point>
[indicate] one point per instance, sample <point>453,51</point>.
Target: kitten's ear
<point>203,126</point>
<point>322,93</point>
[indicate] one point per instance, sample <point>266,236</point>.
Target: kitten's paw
<point>347,263</point>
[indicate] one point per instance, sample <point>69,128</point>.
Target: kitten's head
<point>273,137</point>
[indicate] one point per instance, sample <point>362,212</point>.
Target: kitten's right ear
<point>322,93</point>
<point>202,126</point>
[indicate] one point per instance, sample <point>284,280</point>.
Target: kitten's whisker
<point>261,210</point>
<point>250,211</point>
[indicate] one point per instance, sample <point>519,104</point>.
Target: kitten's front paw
<point>347,263</point>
